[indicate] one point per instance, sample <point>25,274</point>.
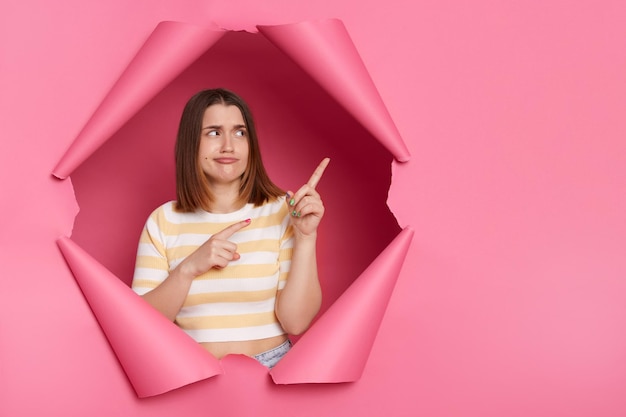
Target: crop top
<point>235,303</point>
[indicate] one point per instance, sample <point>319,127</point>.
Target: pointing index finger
<point>317,174</point>
<point>232,229</point>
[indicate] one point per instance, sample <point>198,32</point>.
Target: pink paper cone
<point>336,347</point>
<point>155,354</point>
<point>169,50</point>
<point>325,51</point>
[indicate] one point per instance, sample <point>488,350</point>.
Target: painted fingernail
<point>293,213</point>
<point>292,202</point>
<point>299,214</point>
<point>248,220</point>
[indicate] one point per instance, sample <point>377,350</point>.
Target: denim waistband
<point>271,357</point>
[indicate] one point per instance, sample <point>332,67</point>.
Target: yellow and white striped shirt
<point>235,303</point>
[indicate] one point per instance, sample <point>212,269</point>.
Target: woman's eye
<point>212,133</point>
<point>240,133</point>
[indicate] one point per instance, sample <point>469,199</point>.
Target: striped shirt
<point>235,303</point>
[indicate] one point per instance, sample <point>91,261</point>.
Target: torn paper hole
<point>120,178</point>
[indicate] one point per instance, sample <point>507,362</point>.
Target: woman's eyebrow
<point>220,127</point>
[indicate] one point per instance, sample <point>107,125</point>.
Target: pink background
<point>511,301</point>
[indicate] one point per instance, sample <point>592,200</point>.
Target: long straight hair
<point>192,187</point>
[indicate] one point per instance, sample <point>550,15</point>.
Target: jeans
<point>271,357</point>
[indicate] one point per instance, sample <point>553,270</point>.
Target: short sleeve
<point>151,265</point>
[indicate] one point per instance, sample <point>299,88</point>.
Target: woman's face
<point>223,153</point>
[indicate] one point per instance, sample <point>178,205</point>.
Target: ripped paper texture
<point>154,353</point>
<point>158,357</point>
<point>148,364</point>
<point>317,47</point>
<point>351,324</point>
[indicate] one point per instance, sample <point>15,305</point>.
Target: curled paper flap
<point>351,323</point>
<point>169,50</point>
<point>155,354</point>
<point>325,51</point>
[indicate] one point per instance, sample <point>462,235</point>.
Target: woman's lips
<point>226,160</point>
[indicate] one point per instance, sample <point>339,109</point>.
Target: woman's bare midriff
<point>247,347</point>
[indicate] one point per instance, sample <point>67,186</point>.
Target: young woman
<point>232,261</point>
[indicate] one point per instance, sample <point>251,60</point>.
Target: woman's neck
<point>226,199</point>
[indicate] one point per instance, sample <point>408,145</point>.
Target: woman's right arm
<point>169,296</point>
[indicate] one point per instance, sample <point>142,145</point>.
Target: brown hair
<point>192,187</point>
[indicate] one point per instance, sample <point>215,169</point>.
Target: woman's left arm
<point>300,300</point>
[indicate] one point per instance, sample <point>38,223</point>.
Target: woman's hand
<point>216,252</point>
<point>306,208</point>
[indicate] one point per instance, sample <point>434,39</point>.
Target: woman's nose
<point>227,144</point>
